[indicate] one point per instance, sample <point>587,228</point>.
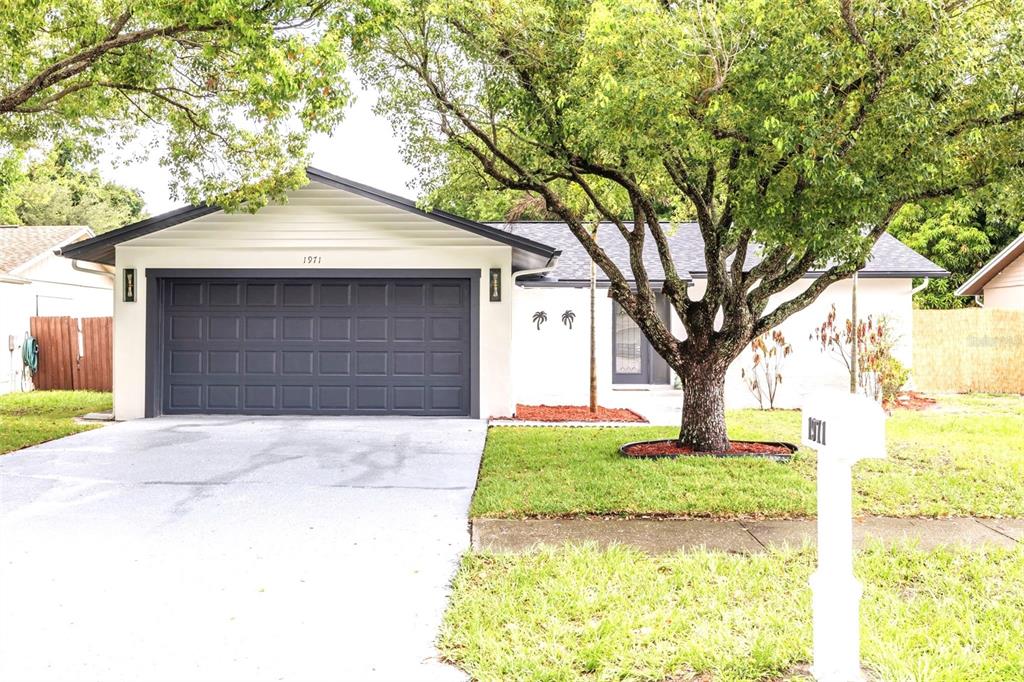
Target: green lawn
<point>581,614</point>
<point>39,416</point>
<point>963,458</point>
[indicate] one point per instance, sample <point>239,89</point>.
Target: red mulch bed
<point>911,400</point>
<point>575,413</point>
<point>670,448</point>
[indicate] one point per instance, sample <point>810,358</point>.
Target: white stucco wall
<point>551,366</point>
<point>346,232</point>
<point>53,288</point>
<point>1005,291</point>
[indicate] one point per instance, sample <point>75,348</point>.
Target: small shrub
<point>768,352</point>
<point>879,374</point>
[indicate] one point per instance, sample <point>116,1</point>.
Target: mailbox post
<point>843,428</point>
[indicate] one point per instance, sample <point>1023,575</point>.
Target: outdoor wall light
<point>128,290</point>
<point>494,284</point>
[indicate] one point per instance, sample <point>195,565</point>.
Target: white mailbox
<point>844,425</point>
<point>843,428</point>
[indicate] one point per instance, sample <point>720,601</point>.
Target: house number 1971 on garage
<point>312,260</point>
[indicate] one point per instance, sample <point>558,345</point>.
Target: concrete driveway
<point>209,548</point>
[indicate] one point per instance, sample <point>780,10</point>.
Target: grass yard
<point>579,613</point>
<point>36,417</point>
<point>963,458</point>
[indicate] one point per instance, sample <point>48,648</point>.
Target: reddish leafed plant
<point>879,374</point>
<point>763,378</point>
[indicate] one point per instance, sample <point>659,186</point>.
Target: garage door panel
<point>335,329</point>
<point>298,397</point>
<point>372,293</point>
<point>186,328</point>
<point>261,328</point>
<point>335,294</point>
<point>260,397</point>
<point>298,328</point>
<point>409,294</point>
<point>186,396</point>
<point>225,294</point>
<point>316,347</point>
<point>298,294</point>
<point>223,397</point>
<point>227,328</point>
<point>187,294</point>
<point>335,398</point>
<point>297,362</point>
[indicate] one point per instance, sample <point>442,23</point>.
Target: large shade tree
<point>793,131</point>
<point>230,90</point>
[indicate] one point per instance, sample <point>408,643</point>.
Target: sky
<point>362,148</point>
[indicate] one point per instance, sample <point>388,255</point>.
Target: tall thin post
<point>593,332</point>
<point>854,342</point>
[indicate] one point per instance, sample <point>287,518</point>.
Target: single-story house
<point>34,282</point>
<point>1000,283</point>
<point>349,300</point>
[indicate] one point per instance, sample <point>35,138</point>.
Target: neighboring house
<point>1001,282</point>
<point>349,300</point>
<point>34,282</point>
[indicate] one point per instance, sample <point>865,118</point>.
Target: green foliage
<point>231,88</point>
<point>38,416</point>
<point>817,133</point>
<point>961,236</point>
<point>965,458</point>
<point>793,133</point>
<point>577,613</point>
<point>53,192</point>
<point>10,176</point>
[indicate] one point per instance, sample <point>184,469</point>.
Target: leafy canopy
<point>961,235</point>
<point>232,88</point>
<point>803,128</point>
<point>54,192</point>
<point>794,133</point>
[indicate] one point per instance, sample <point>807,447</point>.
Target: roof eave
<point>976,284</point>
<point>100,249</point>
<point>404,204</point>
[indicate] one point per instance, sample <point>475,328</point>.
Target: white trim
<point>990,269</point>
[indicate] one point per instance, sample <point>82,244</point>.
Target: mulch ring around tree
<point>574,413</point>
<point>670,449</point>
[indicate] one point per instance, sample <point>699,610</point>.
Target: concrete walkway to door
<point>215,548</point>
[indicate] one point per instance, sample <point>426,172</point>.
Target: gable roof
<point>889,257</point>
<point>978,280</point>
<point>100,249</point>
<point>22,244</point>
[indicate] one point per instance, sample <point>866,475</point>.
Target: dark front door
<point>315,346</point>
<point>634,360</point>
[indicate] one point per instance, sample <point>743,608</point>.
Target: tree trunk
<point>703,426</point>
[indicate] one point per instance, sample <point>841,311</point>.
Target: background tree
<point>961,235</point>
<point>794,132</point>
<point>232,88</point>
<point>53,192</point>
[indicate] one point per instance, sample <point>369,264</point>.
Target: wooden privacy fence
<point>74,353</point>
<point>971,349</point>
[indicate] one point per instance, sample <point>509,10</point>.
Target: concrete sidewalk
<point>661,536</point>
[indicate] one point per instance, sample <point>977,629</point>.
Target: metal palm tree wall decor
<point>568,317</point>
<point>540,317</point>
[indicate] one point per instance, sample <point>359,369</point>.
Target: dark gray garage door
<point>316,346</point>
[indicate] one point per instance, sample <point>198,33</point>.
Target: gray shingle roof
<point>20,244</point>
<point>889,258</point>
